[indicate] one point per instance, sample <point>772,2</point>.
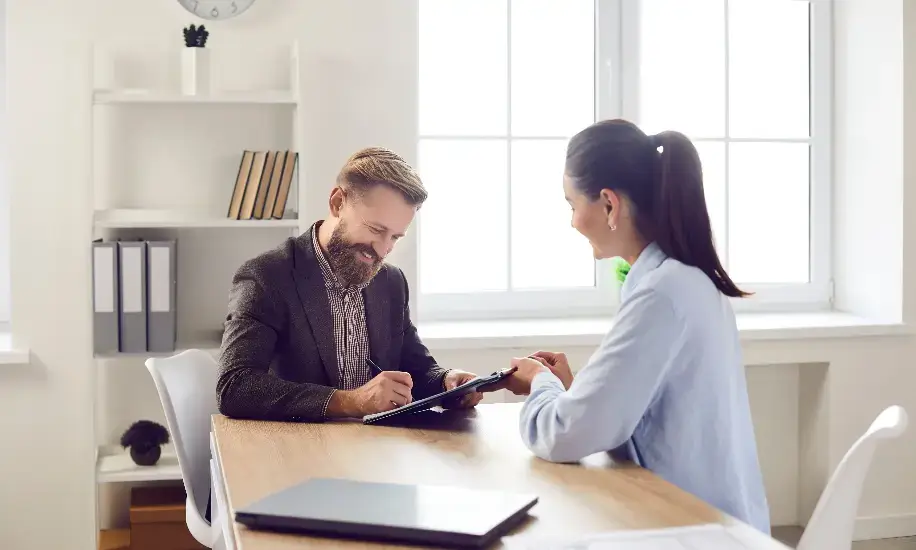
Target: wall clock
<point>216,9</point>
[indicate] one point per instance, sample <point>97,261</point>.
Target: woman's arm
<point>611,393</point>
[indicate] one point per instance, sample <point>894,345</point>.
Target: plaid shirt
<point>348,312</point>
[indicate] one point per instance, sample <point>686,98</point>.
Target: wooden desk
<point>479,448</point>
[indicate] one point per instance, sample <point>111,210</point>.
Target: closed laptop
<point>424,514</point>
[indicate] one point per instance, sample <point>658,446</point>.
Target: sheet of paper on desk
<point>700,537</point>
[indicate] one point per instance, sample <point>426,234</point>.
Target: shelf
<point>211,347</point>
<point>153,97</point>
<point>146,219</point>
<point>8,354</point>
<point>114,465</point>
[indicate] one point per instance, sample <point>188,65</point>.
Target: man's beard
<point>347,267</point>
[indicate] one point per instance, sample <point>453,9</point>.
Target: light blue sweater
<point>666,387</point>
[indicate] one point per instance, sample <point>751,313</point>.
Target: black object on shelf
<point>145,439</point>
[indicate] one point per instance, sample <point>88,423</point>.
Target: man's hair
<point>380,166</point>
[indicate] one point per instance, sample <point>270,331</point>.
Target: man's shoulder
<point>271,263</point>
<point>393,273</point>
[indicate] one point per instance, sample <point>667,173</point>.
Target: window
<point>505,83</point>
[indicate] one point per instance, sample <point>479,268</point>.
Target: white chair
<point>186,383</point>
<point>831,524</point>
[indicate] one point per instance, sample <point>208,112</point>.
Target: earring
<point>613,227</point>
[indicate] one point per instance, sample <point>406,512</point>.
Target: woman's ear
<point>611,207</point>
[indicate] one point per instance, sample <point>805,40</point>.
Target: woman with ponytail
<point>666,387</point>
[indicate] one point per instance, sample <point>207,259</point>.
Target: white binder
<point>133,296</point>
<point>162,283</point>
<point>105,297</point>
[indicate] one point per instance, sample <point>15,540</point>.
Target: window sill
<point>557,333</point>
<point>10,355</point>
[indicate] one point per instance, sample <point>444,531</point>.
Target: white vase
<point>195,71</point>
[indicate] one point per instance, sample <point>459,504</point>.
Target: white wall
<point>869,145</point>
<point>4,181</point>
<point>359,60</point>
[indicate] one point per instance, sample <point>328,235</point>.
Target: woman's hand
<point>526,369</point>
<point>558,365</point>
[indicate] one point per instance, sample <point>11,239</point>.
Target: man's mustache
<point>368,250</point>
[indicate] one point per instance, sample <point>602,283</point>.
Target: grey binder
<point>161,285</point>
<point>105,297</point>
<point>133,295</point>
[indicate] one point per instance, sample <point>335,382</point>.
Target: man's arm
<point>245,388</point>
<point>415,357</point>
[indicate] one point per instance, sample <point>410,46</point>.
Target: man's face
<point>368,227</point>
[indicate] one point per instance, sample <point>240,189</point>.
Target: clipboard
<point>439,398</point>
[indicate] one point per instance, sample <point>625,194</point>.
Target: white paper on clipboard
<point>711,536</point>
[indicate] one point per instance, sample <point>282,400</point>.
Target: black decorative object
<point>196,37</point>
<point>145,439</point>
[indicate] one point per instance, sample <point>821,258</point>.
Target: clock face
<point>216,9</point>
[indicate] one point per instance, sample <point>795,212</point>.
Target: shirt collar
<point>650,258</point>
<point>330,279</point>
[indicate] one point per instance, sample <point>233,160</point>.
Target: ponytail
<point>680,219</point>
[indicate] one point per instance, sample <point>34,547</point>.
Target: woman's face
<point>593,218</point>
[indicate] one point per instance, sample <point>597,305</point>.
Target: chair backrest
<point>831,524</point>
<point>186,383</point>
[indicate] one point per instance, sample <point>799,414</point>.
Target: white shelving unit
<point>210,346</point>
<point>153,97</point>
<point>150,212</point>
<point>114,465</point>
<point>136,218</point>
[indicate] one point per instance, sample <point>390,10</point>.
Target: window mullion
<point>724,249</point>
<point>821,153</point>
<point>509,235</point>
<point>628,75</point>
<point>610,85</point>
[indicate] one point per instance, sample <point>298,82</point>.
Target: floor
<point>790,536</point>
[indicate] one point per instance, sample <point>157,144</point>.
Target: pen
<point>372,364</point>
<point>378,370</point>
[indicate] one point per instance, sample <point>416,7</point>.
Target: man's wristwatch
<point>444,376</point>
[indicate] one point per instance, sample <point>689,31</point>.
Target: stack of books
<point>262,185</point>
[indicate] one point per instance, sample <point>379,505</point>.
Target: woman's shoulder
<point>682,284</point>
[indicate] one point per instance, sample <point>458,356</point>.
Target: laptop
<point>417,514</point>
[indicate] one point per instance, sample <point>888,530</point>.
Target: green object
<point>621,269</point>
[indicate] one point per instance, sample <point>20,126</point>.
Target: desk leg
<point>222,515</point>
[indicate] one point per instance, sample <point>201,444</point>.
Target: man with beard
<point>319,327</point>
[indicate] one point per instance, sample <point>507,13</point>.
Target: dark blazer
<point>278,360</point>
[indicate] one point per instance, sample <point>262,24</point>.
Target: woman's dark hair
<point>666,189</point>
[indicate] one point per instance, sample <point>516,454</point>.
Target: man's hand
<point>455,378</point>
<point>558,365</point>
<point>388,390</point>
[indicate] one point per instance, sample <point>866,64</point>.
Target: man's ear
<point>335,201</point>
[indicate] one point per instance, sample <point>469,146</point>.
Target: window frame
<point>616,65</point>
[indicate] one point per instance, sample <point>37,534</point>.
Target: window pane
<point>712,155</point>
<point>463,67</point>
<point>462,243</point>
<point>546,251</point>
<point>682,66</point>
<point>768,189</point>
<point>768,68</point>
<point>553,66</point>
